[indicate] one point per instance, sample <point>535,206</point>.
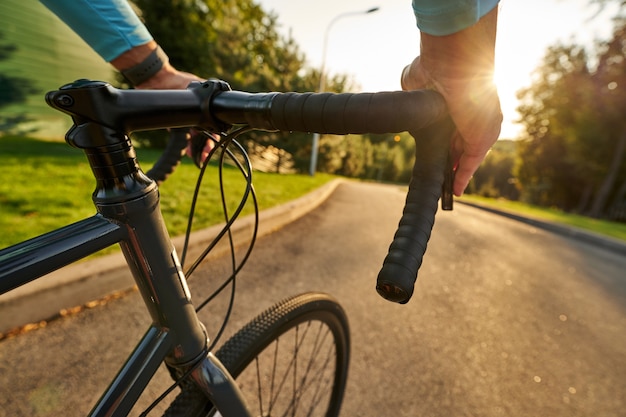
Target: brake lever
<point>197,141</point>
<point>447,193</point>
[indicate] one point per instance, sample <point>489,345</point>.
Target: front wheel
<point>291,360</point>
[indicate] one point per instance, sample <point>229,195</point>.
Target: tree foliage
<point>237,41</point>
<point>574,154</point>
<point>496,177</point>
<point>386,157</point>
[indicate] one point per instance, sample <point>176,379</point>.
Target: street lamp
<point>322,83</point>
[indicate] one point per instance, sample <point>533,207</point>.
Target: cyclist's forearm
<point>113,30</point>
<point>110,27</point>
<point>150,68</point>
<point>465,55</point>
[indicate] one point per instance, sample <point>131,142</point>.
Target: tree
<point>495,178</point>
<point>573,155</point>
<point>237,41</point>
<point>610,76</point>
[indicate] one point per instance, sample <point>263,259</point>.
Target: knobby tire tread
<point>250,341</point>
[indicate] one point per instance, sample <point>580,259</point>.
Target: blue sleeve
<point>444,17</point>
<point>110,27</point>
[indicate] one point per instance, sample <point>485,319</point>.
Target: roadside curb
<point>82,282</point>
<point>595,239</point>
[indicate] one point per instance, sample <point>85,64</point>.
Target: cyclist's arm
<point>457,45</point>
<point>113,30</point>
<point>110,27</point>
<point>445,17</point>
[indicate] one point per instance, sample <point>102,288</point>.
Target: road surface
<point>506,319</point>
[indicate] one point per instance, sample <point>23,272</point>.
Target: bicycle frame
<point>127,203</point>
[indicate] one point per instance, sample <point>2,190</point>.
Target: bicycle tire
<point>310,317</point>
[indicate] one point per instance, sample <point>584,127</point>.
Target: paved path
<point>506,320</point>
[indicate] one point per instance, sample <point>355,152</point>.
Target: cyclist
<point>457,46</point>
<point>114,31</point>
<point>457,59</point>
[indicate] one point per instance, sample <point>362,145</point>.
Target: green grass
<point>603,227</point>
<point>46,185</point>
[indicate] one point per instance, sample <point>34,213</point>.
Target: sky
<point>373,48</point>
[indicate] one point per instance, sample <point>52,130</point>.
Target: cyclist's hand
<point>166,78</point>
<point>169,78</point>
<point>460,67</point>
<point>200,145</point>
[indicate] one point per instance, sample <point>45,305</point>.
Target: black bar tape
<point>397,277</point>
<point>384,112</point>
<point>170,158</point>
<point>424,114</point>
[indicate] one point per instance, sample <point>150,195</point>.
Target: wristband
<point>143,71</point>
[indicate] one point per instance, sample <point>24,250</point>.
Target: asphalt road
<point>506,319</point>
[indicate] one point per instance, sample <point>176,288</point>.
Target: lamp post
<point>322,83</point>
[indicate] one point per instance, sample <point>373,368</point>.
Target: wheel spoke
<point>313,377</point>
<point>290,366</point>
<point>258,383</point>
<point>292,359</point>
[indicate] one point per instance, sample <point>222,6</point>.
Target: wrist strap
<point>143,71</point>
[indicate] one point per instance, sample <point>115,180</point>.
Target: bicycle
<point>127,204</point>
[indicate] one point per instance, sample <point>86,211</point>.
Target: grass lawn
<point>45,185</point>
<point>603,227</point>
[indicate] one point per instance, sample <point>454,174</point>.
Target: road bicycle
<point>293,358</point>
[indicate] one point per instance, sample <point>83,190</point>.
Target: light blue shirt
<point>444,17</point>
<point>110,27</point>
